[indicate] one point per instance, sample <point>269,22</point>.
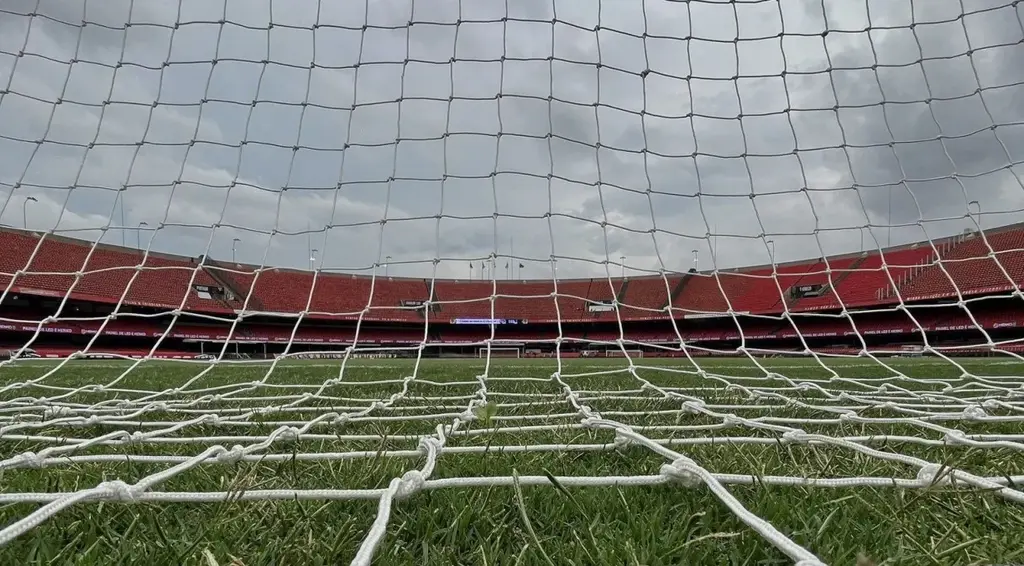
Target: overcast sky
<point>743,119</point>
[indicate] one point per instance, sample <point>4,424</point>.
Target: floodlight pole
<point>888,221</point>
<point>772,251</point>
<point>312,258</point>
<point>138,234</point>
<point>234,243</point>
<point>24,211</point>
<point>696,255</point>
<point>978,204</point>
<point>622,264</point>
<point>387,261</point>
<point>121,199</point>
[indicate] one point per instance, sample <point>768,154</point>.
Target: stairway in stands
<point>678,289</point>
<point>434,307</point>
<point>837,282</point>
<point>224,278</point>
<point>929,274</point>
<point>970,266</point>
<point>621,296</point>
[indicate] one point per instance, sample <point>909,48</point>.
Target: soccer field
<point>520,462</point>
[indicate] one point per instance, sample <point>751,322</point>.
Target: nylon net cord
<point>169,416</point>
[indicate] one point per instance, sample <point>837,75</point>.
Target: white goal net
<point>260,264</point>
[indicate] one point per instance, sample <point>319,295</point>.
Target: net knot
<point>212,419</point>
<point>55,412</point>
<point>591,422</point>
<point>289,434</point>
<point>732,420</point>
<point>693,407</point>
<point>119,490</point>
<point>797,436</point>
<point>974,412</point>
<point>587,411</point>
<point>92,421</point>
<point>621,440</point>
<point>681,470</point>
<point>232,456</point>
<point>467,415</point>
<point>955,437</point>
<point>991,404</point>
<point>341,420</point>
<point>29,460</point>
<point>429,445</point>
<point>136,437</point>
<point>929,475</point>
<point>804,386</point>
<point>410,484</point>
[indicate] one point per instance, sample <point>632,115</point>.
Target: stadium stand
<point>693,307</point>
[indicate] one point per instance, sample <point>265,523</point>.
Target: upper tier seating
<point>972,268</point>
<point>162,282</point>
<point>109,273</point>
<point>867,283</point>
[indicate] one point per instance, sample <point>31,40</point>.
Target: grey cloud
<point>707,173</point>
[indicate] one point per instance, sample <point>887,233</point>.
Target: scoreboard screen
<point>488,321</point>
<point>799,291</point>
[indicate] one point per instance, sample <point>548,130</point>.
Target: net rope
<point>47,412</point>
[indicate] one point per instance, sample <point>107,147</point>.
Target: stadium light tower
<point>234,245</point>
<point>771,243</point>
<point>387,261</point>
<point>622,264</point>
<point>696,255</point>
<point>24,211</point>
<point>312,258</point>
<point>138,234</point>
<point>977,204</point>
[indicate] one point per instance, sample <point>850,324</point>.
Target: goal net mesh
<point>789,222</point>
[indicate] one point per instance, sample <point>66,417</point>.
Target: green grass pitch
<point>518,522</point>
